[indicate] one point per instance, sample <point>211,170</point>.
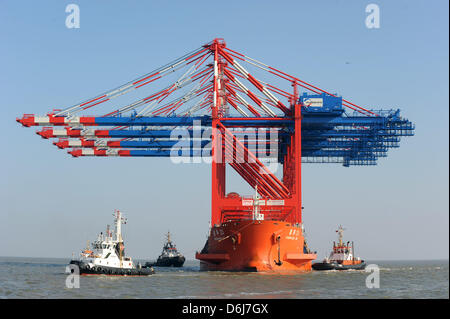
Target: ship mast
<point>340,232</point>
<point>118,220</point>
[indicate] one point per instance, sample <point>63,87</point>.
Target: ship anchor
<point>279,262</point>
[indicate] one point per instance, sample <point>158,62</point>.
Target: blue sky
<point>52,203</point>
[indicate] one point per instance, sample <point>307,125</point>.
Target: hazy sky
<point>53,203</point>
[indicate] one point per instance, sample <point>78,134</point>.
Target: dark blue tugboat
<point>170,256</point>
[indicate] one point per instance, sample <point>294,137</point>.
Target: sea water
<point>22,277</point>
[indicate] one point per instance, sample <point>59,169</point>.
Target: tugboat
<point>107,256</point>
<point>342,257</point>
<point>170,256</point>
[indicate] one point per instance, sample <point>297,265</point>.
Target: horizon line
<point>139,258</point>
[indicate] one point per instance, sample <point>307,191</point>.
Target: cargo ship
<point>256,244</point>
<point>342,257</point>
<point>263,233</point>
<point>170,256</point>
<point>107,255</point>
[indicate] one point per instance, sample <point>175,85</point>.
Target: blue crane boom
<point>333,129</point>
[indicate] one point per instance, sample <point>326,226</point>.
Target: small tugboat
<point>107,256</point>
<point>170,256</point>
<point>342,257</point>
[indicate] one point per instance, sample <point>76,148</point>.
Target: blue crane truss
<point>333,130</point>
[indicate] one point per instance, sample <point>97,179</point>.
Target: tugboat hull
<point>170,261</point>
<point>256,246</point>
<point>86,269</point>
<point>323,266</point>
<point>337,266</point>
<point>359,266</point>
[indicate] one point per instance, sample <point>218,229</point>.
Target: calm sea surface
<point>46,278</point>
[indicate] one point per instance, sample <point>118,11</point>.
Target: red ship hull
<point>263,246</point>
